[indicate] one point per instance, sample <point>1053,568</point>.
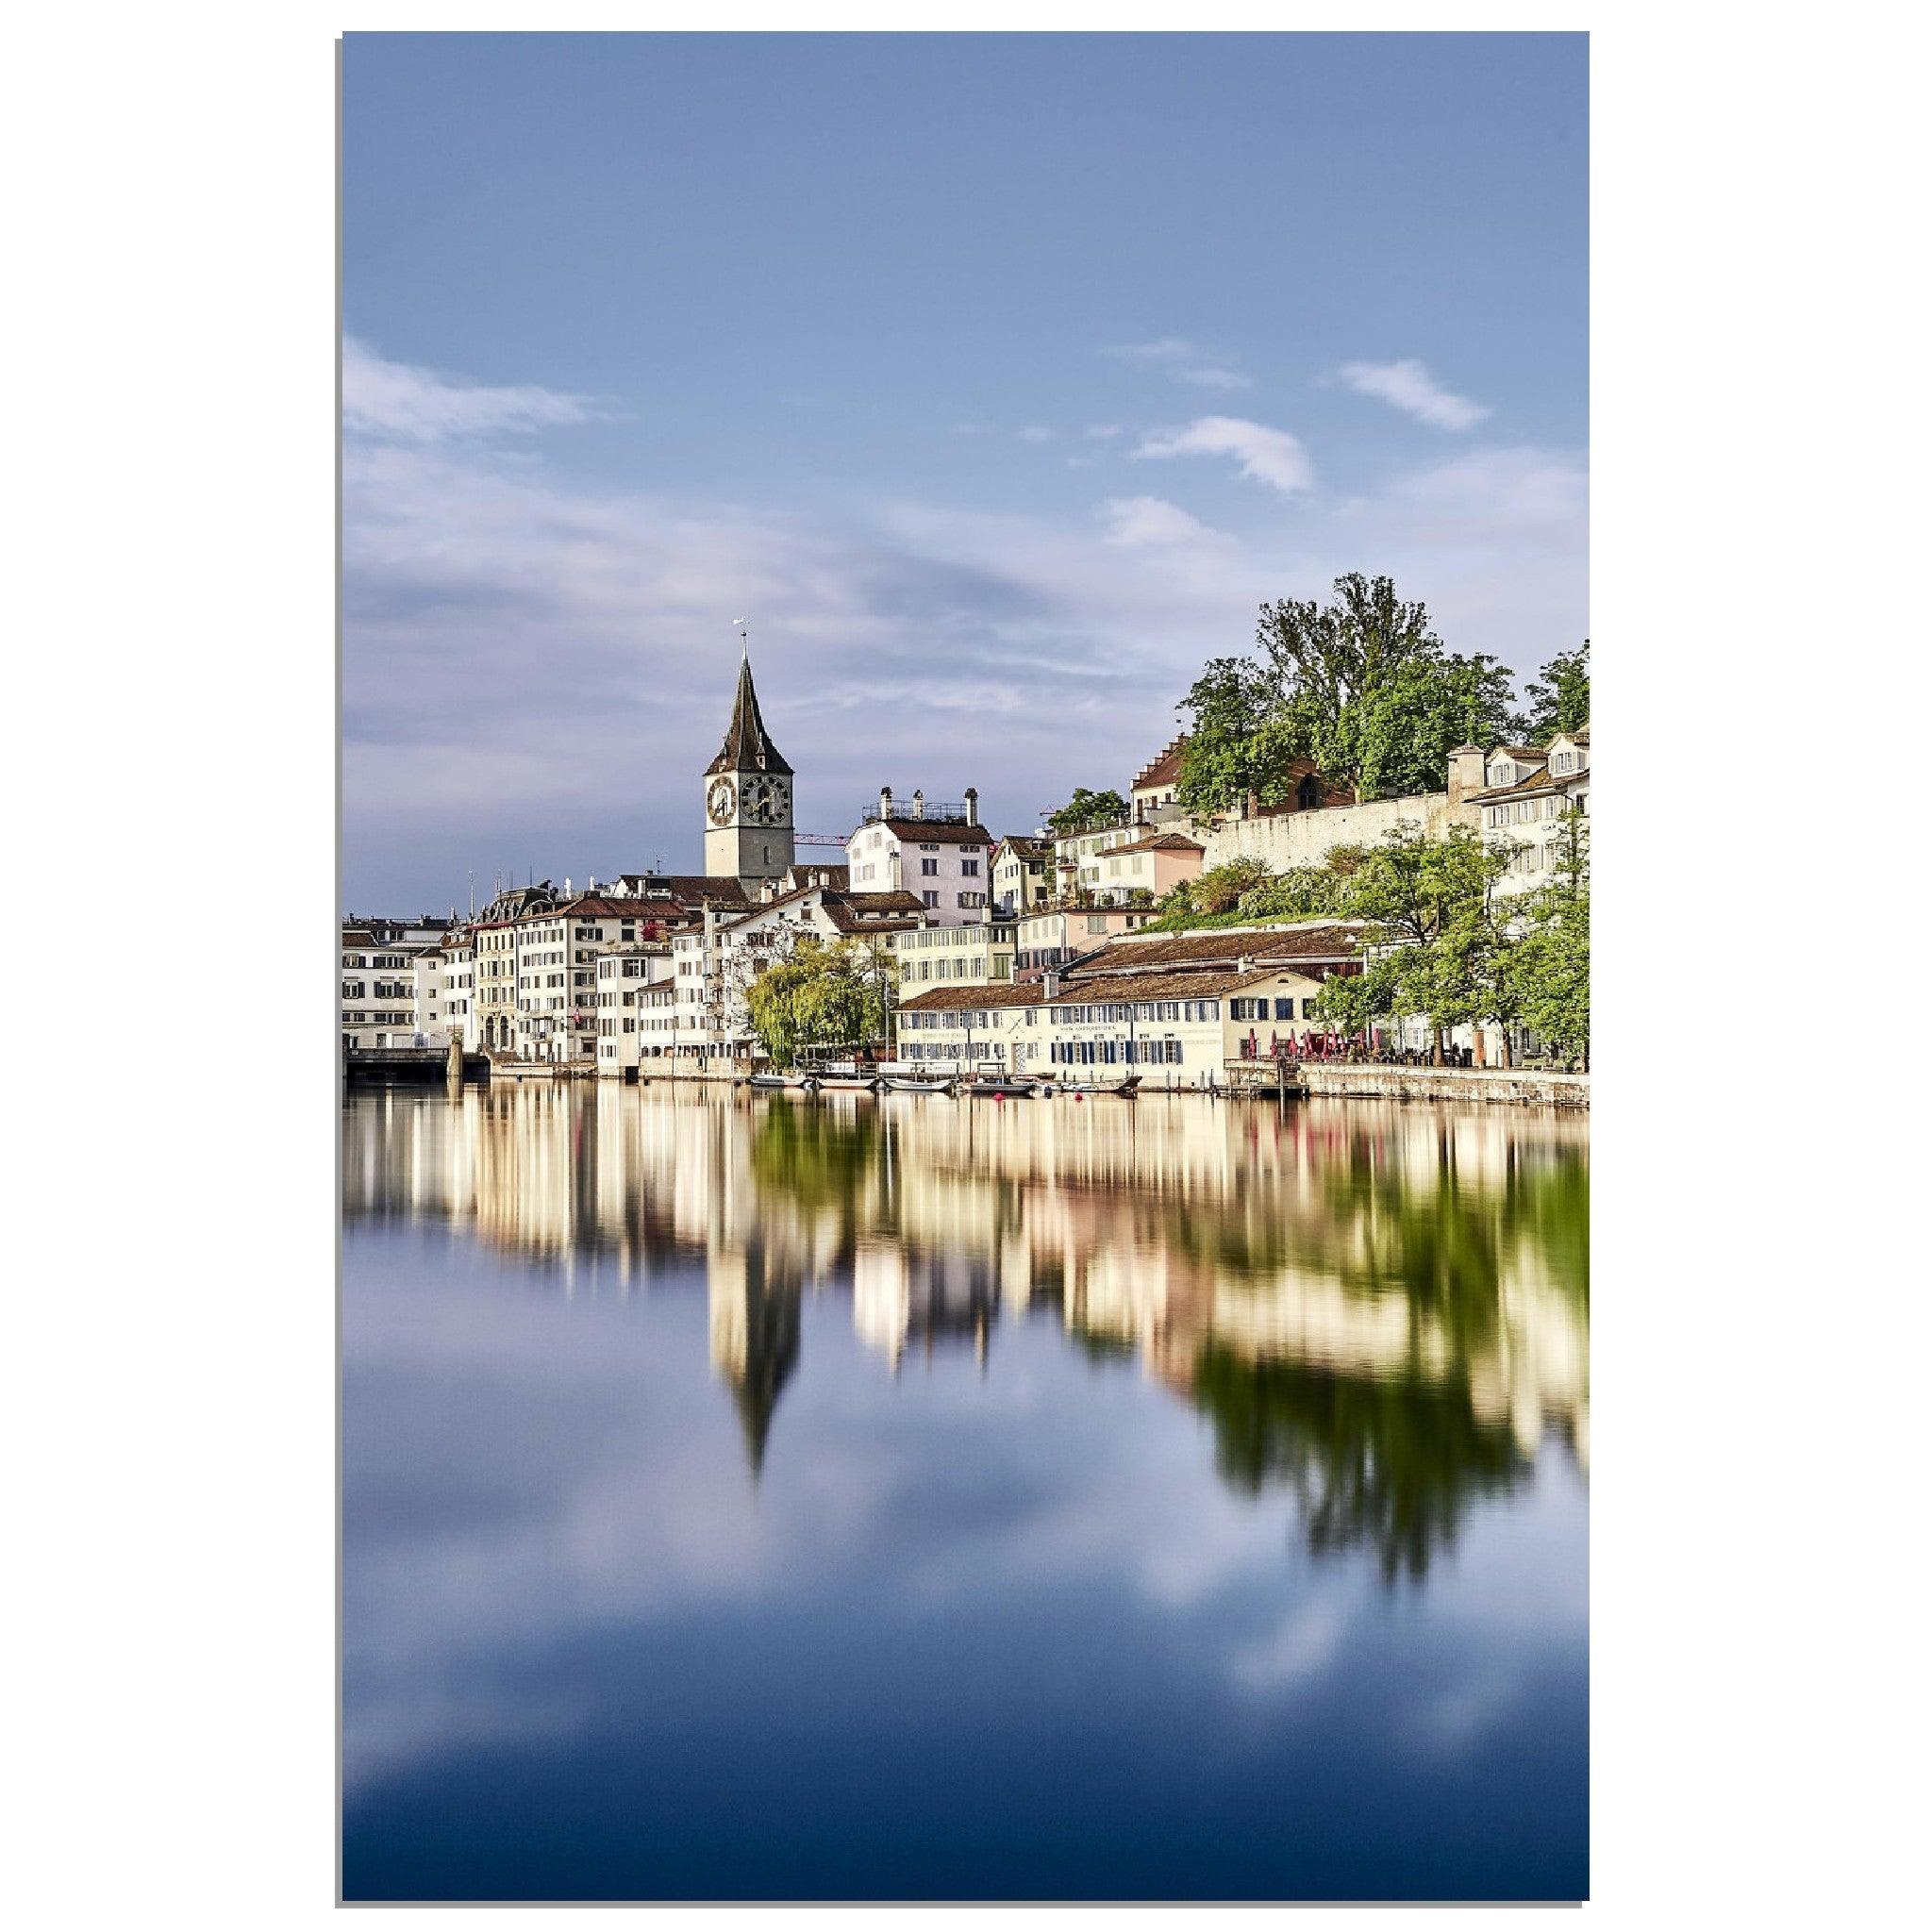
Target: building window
<point>932,899</point>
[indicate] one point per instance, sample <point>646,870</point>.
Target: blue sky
<point>996,379</point>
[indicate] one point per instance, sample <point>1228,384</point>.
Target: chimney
<point>885,801</point>
<point>1245,963</point>
<point>918,803</point>
<point>1465,772</point>
<point>972,805</point>
<point>1052,984</point>
<point>566,889</point>
<point>592,886</point>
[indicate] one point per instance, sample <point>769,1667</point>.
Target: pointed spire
<point>748,745</point>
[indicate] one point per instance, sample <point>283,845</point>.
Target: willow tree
<point>819,995</point>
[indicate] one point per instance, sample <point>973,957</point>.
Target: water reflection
<point>1382,1310</point>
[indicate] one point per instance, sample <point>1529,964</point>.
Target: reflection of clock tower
<point>747,798</point>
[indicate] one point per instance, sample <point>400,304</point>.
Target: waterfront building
<point>1173,1007</point>
<point>959,955</point>
<point>378,991</point>
<point>749,833</point>
<point>715,963</point>
<point>554,956</point>
<point>941,853</point>
<point>430,981</point>
<point>1022,875</point>
<point>623,973</point>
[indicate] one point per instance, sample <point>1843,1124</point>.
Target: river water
<point>755,1497</point>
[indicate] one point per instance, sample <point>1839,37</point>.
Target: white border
<point>1759,387</point>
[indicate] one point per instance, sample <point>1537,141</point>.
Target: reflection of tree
<point>816,1157</point>
<point>1388,1465</point>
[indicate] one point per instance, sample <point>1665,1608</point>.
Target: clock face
<point>764,801</point>
<point>719,801</point>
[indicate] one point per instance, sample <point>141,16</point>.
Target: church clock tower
<point>748,829</point>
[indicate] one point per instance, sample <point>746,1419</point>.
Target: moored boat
<point>1125,1088</point>
<point>905,1083</point>
<point>1002,1089</point>
<point>778,1083</point>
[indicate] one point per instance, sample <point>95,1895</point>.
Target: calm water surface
<point>752,1497</point>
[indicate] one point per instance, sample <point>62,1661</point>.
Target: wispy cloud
<point>1406,384</point>
<point>1185,361</point>
<point>397,400</point>
<point>535,666</point>
<point>1138,522</point>
<point>1266,455</point>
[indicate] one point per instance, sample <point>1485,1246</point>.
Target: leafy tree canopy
<point>1560,695</point>
<point>818,995</point>
<point>1361,688</point>
<point>1088,808</point>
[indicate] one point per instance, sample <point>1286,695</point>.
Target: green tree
<point>1221,888</point>
<point>819,995</point>
<point>1087,809</point>
<point>1553,962</point>
<point>1559,695</point>
<point>1431,903</point>
<point>1361,688</point>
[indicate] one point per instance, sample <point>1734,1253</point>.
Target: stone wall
<point>1306,838</point>
<point>1338,1079</point>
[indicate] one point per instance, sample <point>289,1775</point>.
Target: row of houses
<point>1026,949</point>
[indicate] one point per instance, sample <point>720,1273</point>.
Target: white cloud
<point>1407,385</point>
<point>1266,455</point>
<point>1034,433</point>
<point>387,399</point>
<point>1515,490</point>
<point>1136,521</point>
<point>1183,361</point>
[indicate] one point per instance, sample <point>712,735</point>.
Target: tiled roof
<point>1539,780</point>
<point>1158,841</point>
<point>1165,769</point>
<point>1164,986</point>
<point>1287,944</point>
<point>693,888</point>
<point>1026,846</point>
<point>747,745</point>
<point>873,911</point>
<point>1002,995</point>
<point>935,831</point>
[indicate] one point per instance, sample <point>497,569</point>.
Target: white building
<point>622,975</point>
<point>1528,794</point>
<point>378,991</point>
<point>713,965</point>
<point>941,853</point>
<point>1022,875</point>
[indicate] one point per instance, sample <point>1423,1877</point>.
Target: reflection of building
<point>1326,1281</point>
<point>753,1339</point>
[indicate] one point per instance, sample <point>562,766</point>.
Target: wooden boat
<point>1124,1088</point>
<point>1002,1089</point>
<point>906,1083</point>
<point>845,1083</point>
<point>771,1083</point>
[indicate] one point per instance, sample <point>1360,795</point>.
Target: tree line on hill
<point>1362,690</point>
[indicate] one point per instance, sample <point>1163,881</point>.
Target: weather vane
<point>743,634</point>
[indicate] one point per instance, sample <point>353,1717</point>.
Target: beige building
<point>956,955</point>
<point>1175,1008</point>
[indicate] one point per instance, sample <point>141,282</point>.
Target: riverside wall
<point>1502,1086</point>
